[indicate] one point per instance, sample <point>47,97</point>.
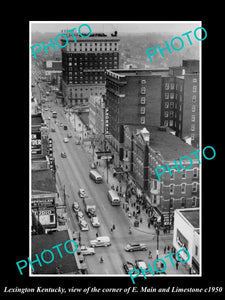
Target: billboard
<point>36,146</point>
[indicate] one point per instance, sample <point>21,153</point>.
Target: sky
<point>121,27</point>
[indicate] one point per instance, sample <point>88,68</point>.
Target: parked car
<point>61,124</point>
<point>135,247</point>
<point>128,266</point>
<point>85,250</point>
<point>69,135</point>
<point>140,263</point>
<point>93,165</point>
<point>83,225</point>
<point>82,193</point>
<point>52,129</point>
<point>80,215</point>
<point>101,241</point>
<point>76,206</point>
<point>95,221</point>
<point>63,154</point>
<point>65,140</point>
<point>77,142</point>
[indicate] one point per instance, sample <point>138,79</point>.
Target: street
<point>72,174</point>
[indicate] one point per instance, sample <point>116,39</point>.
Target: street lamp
<point>157,247</point>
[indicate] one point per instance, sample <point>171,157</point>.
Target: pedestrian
<point>111,229</point>
<point>140,220</point>
<point>96,234</point>
<point>164,249</point>
<point>133,213</point>
<point>149,224</point>
<point>177,264</point>
<point>114,227</point>
<point>168,248</point>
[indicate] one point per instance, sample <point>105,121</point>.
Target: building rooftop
<point>162,140</point>
<point>53,65</point>
<point>170,146</point>
<point>66,264</point>
<point>43,181</point>
<point>37,119</point>
<point>138,72</point>
<point>191,215</point>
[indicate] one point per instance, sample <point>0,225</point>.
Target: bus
<point>113,197</point>
<point>54,114</point>
<point>94,175</point>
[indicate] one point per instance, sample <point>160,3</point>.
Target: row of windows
<point>171,85</point>
<point>183,202</point>
<point>183,188</point>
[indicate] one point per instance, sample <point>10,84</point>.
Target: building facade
<point>187,236</point>
<point>180,101</point>
<point>133,97</point>
<point>148,148</point>
<point>84,64</point>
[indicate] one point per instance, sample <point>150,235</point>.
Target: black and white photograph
<point>118,158</point>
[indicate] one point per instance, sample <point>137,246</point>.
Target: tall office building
<point>84,63</point>
<point>180,101</point>
<point>133,97</point>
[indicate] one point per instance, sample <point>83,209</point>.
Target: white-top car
<point>101,241</point>
<point>82,193</point>
<point>66,140</point>
<point>95,221</point>
<point>85,250</point>
<point>80,215</point>
<point>76,206</point>
<point>83,225</point>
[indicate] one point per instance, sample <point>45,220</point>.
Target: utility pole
<point>169,213</point>
<point>157,247</point>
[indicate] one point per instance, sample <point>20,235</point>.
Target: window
<point>194,187</point>
<point>166,114</point>
<point>183,174</point>
<point>166,123</point>
<point>166,95</point>
<point>142,100</point>
<point>172,188</point>
<point>183,188</point>
<point>194,88</point>
<point>52,218</point>
<point>192,136</point>
<point>195,173</point>
<point>171,123</point>
<point>171,104</point>
<point>166,104</point>
<point>167,86</point>
<point>142,120</point>
<point>172,172</point>
<point>142,110</point>
<point>194,79</point>
<point>171,202</point>
<point>193,108</point>
<point>180,97</point>
<point>171,114</point>
<point>171,95</point>
<point>172,86</point>
<point>192,127</point>
<point>194,98</point>
<point>183,202</point>
<point>196,250</point>
<point>143,81</point>
<point>143,90</point>
<point>193,202</point>
<point>192,118</point>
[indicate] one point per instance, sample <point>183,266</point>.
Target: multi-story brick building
<point>133,97</point>
<point>148,148</point>
<point>180,100</point>
<point>84,63</point>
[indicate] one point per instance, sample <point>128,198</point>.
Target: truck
<point>89,207</point>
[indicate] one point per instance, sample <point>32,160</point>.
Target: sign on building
<point>36,146</point>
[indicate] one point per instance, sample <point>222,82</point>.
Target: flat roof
<point>170,146</point>
<point>37,119</point>
<point>140,72</point>
<point>43,181</point>
<point>66,264</point>
<point>191,215</point>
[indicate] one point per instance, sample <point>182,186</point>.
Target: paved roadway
<point>74,174</point>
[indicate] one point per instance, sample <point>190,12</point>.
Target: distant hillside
<point>133,49</point>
